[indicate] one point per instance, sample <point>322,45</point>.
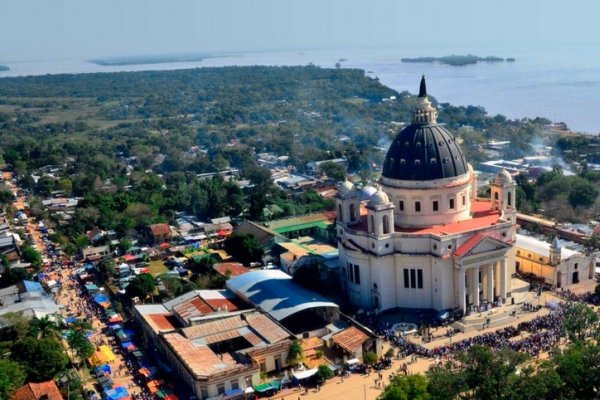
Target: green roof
<point>306,225</point>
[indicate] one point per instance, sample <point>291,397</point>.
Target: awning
<point>138,354</point>
<point>353,361</point>
<point>233,393</point>
<point>103,368</point>
<point>304,374</point>
<point>107,352</point>
<point>263,387</point>
<point>117,393</point>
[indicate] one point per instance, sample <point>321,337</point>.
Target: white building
<point>424,240</point>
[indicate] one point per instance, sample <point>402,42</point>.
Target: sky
<point>67,29</point>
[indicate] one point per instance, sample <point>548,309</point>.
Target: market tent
<point>116,393</point>
<point>122,336</point>
<point>263,387</point>
<point>103,368</point>
<point>115,319</point>
<point>91,288</point>
<point>126,345</point>
<point>304,374</point>
<point>233,393</point>
<point>70,320</point>
<point>138,354</point>
<point>107,352</point>
<point>115,327</point>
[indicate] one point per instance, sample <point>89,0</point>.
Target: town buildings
<point>424,239</point>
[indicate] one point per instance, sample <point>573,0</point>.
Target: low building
<point>38,391</point>
<point>28,298</point>
<point>158,233</point>
<point>556,265</point>
<point>230,269</point>
<point>316,225</point>
<point>95,253</point>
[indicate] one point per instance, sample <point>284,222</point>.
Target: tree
<point>43,327</point>
<point>13,276</point>
<point>80,343</point>
<point>31,255</point>
<point>42,359</point>
<point>12,377</point>
<point>295,353</point>
<point>141,286</point>
<point>370,358</point>
<point>582,193</point>
<point>245,248</point>
<point>16,327</point>
<point>324,373</point>
<point>412,387</point>
<point>578,367</point>
<point>107,268</point>
<point>334,171</point>
<point>579,321</point>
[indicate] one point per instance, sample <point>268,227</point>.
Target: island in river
<point>139,60</point>
<point>4,68</point>
<point>457,60</point>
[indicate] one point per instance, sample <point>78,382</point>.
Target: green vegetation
<point>324,373</point>
<point>42,359</point>
<point>456,60</point>
<point>12,377</point>
<point>295,353</point>
<point>141,287</point>
<point>245,248</point>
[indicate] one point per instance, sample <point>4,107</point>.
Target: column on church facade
<point>497,276</point>
<point>503,277</point>
<point>490,282</point>
<point>461,289</point>
<point>475,284</point>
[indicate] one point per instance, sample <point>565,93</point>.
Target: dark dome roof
<point>424,152</point>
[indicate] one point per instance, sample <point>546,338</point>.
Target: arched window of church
<point>340,213</point>
<point>386,224</point>
<point>509,199</point>
<point>372,220</point>
<point>495,195</point>
<point>352,212</point>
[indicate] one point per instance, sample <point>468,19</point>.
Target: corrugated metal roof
<point>542,248</point>
<point>273,291</point>
<point>350,339</point>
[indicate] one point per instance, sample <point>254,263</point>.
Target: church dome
<point>379,198</point>
<point>366,192</point>
<point>424,150</point>
<point>503,177</point>
<point>345,187</point>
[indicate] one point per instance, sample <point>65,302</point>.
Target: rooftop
<point>36,391</point>
<point>323,220</point>
<point>234,268</point>
<point>482,216</point>
<point>274,292</point>
<point>350,339</point>
<point>542,248</point>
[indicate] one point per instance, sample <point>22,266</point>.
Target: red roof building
<point>38,391</point>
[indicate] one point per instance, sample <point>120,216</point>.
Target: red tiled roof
<point>469,244</point>
<point>34,391</point>
<point>482,216</point>
<point>195,307</point>
<point>350,339</point>
<point>234,268</point>
<point>160,322</point>
<point>160,229</point>
<point>217,304</point>
<point>266,328</point>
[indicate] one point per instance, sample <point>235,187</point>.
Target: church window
<point>464,200</point>
<point>372,220</point>
<point>417,162</point>
<point>413,280</point>
<point>433,161</point>
<point>402,161</point>
<point>420,278</point>
<point>375,286</point>
<point>509,199</point>
<point>356,275</point>
<point>435,205</point>
<point>495,195</point>
<point>575,265</point>
<point>418,144</point>
<point>386,224</point>
<point>401,205</point>
<point>417,206</point>
<point>406,280</point>
<point>451,204</point>
<point>350,273</point>
<point>352,213</point>
<point>340,214</point>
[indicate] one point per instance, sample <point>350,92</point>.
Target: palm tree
<point>43,327</point>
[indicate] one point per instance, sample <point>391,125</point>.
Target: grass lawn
<point>157,267</point>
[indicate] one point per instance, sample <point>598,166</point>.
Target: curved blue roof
<point>274,291</point>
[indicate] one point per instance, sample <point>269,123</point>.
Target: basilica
<point>424,239</point>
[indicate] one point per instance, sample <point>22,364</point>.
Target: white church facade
<point>424,239</point>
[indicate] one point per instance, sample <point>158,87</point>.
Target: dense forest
<point>132,143</point>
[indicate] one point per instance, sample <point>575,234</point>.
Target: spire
<point>424,113</point>
<point>423,88</point>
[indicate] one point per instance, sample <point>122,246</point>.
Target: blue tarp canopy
<point>126,345</point>
<point>70,320</point>
<point>117,393</point>
<point>103,368</point>
<point>88,266</point>
<point>90,287</point>
<point>100,298</point>
<point>115,327</point>
<point>31,286</point>
<point>234,392</point>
